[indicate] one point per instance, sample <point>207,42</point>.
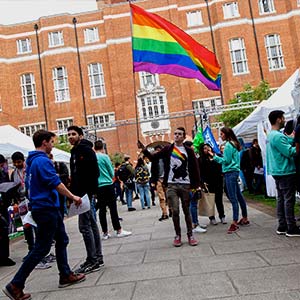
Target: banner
<point>210,139</point>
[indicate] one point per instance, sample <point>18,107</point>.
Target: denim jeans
<point>144,191</point>
<point>129,195</point>
<point>107,198</point>
<point>50,226</point>
<point>90,232</point>
<point>4,239</point>
<point>194,209</point>
<point>174,193</point>
<point>286,189</point>
<point>235,195</point>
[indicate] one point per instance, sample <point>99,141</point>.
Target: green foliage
<point>259,93</point>
<point>117,157</point>
<point>62,143</point>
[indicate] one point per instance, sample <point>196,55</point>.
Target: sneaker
<point>106,236</point>
<point>123,233</point>
<point>281,230</point>
<point>223,220</point>
<point>72,278</point>
<point>49,258</point>
<point>293,232</point>
<point>153,204</point>
<point>213,222</point>
<point>192,241</point>
<point>177,241</point>
<point>243,222</point>
<point>203,226</point>
<point>233,228</point>
<point>15,293</point>
<point>100,262</point>
<point>198,229</point>
<point>87,268</point>
<point>7,262</point>
<point>42,265</point>
<point>163,217</point>
<point>131,209</point>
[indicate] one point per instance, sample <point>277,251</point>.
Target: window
<point>207,103</point>
<point>102,121</point>
<point>298,2</point>
<point>230,10</point>
<point>61,85</point>
<point>55,39</point>
<point>28,90</point>
<point>91,35</point>
<point>194,18</point>
<point>153,105</point>
<point>30,129</point>
<point>63,124</point>
<point>148,81</point>
<point>238,56</point>
<point>96,79</point>
<point>266,6</point>
<point>274,52</point>
<point>24,46</point>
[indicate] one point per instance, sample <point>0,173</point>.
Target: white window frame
<point>28,90</point>
<point>298,2</point>
<point>55,39</point>
<point>238,56</point>
<point>274,52</point>
<point>96,80</point>
<point>194,18</point>
<point>63,124</point>
<point>153,105</point>
<point>91,35</point>
<point>266,4</point>
<point>103,122</point>
<point>30,129</point>
<point>231,10</point>
<point>61,84</point>
<point>148,81</point>
<point>24,46</point>
<point>206,103</point>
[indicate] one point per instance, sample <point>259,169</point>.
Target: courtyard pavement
<point>253,263</point>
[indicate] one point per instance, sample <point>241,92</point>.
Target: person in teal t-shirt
<point>280,164</point>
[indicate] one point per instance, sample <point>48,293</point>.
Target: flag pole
<point>133,77</point>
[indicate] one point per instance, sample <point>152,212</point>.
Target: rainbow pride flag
<point>159,46</point>
<point>177,154</point>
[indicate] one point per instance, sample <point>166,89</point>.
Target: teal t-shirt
<point>280,154</point>
<point>106,170</point>
<point>230,160</point>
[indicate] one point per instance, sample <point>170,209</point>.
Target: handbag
<point>206,205</point>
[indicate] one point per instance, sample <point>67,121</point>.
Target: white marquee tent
<point>11,140</point>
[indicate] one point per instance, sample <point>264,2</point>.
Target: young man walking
<point>181,174</point>
<point>84,180</point>
<point>43,186</point>
<point>280,164</point>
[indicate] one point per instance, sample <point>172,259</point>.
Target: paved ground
<point>254,263</point>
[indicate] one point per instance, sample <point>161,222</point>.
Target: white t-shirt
<point>179,166</point>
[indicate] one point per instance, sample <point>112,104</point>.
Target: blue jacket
<point>41,181</point>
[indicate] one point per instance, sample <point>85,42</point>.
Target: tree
<point>233,117</point>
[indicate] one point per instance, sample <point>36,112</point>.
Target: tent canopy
<point>282,100</point>
<point>11,140</point>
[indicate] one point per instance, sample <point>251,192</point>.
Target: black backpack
<point>124,173</point>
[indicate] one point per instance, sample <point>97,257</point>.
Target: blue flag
<point>210,139</point>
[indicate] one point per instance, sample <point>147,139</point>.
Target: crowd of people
<point>179,174</point>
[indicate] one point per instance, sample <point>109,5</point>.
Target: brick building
<point>77,68</point>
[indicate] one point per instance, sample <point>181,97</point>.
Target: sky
<point>19,11</point>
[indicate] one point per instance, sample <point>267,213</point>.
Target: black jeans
<point>107,198</point>
<point>4,240</point>
<point>89,229</point>
<point>286,189</point>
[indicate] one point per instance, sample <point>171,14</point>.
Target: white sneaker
<point>123,233</point>
<point>213,222</point>
<point>198,229</point>
<point>106,236</point>
<point>203,226</point>
<point>42,266</point>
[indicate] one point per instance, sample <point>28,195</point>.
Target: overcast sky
<point>18,11</point>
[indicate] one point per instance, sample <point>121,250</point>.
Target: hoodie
<point>84,169</point>
<point>41,181</point>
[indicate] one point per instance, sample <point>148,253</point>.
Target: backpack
<point>124,173</point>
<point>142,174</point>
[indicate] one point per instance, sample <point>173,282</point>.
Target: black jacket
<point>165,154</point>
<point>84,169</point>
